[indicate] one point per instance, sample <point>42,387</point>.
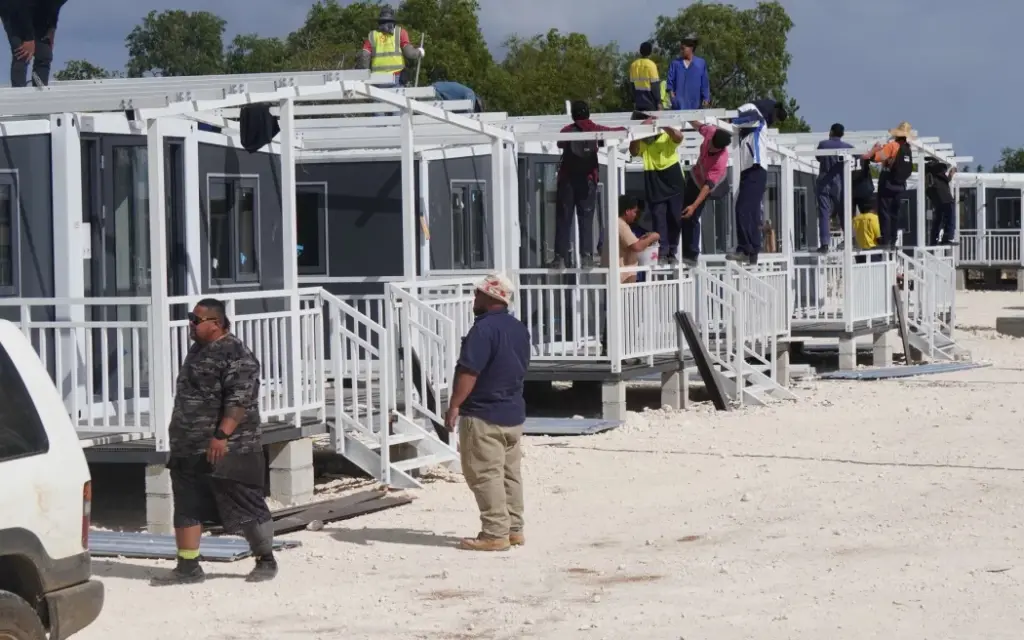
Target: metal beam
<point>355,108</point>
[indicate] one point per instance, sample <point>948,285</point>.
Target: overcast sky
<point>944,65</point>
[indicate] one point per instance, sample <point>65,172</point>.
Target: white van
<point>46,590</point>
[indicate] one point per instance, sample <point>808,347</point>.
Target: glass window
<point>458,228</point>
<point>131,220</point>
<point>21,430</point>
<point>7,235</point>
<point>800,216</point>
<point>247,231</point>
<point>221,197</point>
<point>478,224</point>
<point>311,228</point>
<point>1007,213</point>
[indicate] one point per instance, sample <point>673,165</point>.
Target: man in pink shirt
<point>709,172</point>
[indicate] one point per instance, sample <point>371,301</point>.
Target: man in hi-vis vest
<point>387,47</point>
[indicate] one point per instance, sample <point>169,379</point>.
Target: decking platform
<point>837,328</point>
<point>138,448</point>
<point>598,371</point>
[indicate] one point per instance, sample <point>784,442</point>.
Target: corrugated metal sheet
<point>567,426</point>
<point>116,544</point>
<point>889,373</point>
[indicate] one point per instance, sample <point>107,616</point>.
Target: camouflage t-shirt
<point>216,378</point>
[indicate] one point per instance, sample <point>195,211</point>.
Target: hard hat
<point>387,14</point>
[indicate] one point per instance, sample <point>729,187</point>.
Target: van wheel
<point>18,620</point>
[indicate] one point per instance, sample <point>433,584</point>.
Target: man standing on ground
<point>387,47</point>
<point>488,407</point>
<point>663,184</point>
<point>752,119</point>
<point>938,176</point>
<point>31,27</point>
<point>688,85</point>
<point>217,464</point>
<point>897,163</point>
<point>644,81</point>
<point>829,186</point>
<point>578,175</point>
<point>707,174</point>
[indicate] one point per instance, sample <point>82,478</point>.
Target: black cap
<point>580,110</point>
<point>690,39</point>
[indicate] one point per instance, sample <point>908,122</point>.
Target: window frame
<point>235,183</point>
<point>1020,212</point>
<point>323,266</point>
<point>44,445</point>
<point>800,194</point>
<point>10,177</point>
<point>465,187</point>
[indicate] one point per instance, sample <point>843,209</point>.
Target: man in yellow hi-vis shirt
<point>387,47</point>
<point>644,82</point>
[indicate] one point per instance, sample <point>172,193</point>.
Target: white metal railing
<point>566,314</point>
<point>720,321</point>
<point>363,388</point>
<point>819,288</point>
<point>373,306</point>
<point>774,271</point>
<point>990,247</point>
<point>872,290</point>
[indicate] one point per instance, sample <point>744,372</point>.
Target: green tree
<point>176,43</point>
<point>249,53</point>
<point>332,34</point>
<point>1010,161</point>
<point>745,50</point>
<point>84,70</point>
<point>540,73</point>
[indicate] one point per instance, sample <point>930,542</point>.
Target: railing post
<point>338,432</point>
<point>289,240</point>
<point>160,312</point>
<point>614,333</point>
<point>848,267</point>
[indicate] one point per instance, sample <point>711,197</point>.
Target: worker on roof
<point>645,85</point>
<point>897,163</point>
<point>31,27</point>
<point>688,85</point>
<point>937,178</point>
<point>387,47</point>
<point>828,188</point>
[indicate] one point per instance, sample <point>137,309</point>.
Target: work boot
<point>516,538</point>
<point>690,261</point>
<point>588,261</point>
<point>671,261</point>
<point>737,256</point>
<point>484,543</point>
<point>557,263</point>
<point>752,260</point>
<point>264,571</point>
<point>823,249</point>
<point>186,572</point>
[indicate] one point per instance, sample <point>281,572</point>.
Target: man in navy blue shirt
<point>487,405</point>
<point>829,185</point>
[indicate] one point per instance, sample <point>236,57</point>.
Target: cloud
<point>868,64</point>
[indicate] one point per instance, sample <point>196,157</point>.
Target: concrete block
<point>291,471</point>
<point>159,500</point>
<point>882,348</point>
<point>672,389</point>
<point>1020,279</point>
<point>961,279</point>
<point>847,354</point>
<point>1010,326</point>
<point>782,368</point>
<point>613,401</point>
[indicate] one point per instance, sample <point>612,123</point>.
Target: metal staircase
<point>929,296</point>
<point>737,320</point>
<point>387,434</point>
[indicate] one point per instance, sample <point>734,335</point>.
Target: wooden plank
<point>703,360</point>
<point>333,513</point>
<point>343,502</point>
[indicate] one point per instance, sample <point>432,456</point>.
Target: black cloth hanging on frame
<point>258,126</point>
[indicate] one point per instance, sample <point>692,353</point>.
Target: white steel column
<point>848,289</point>
<point>614,307</point>
<point>71,237</point>
<point>499,225</point>
<point>424,203</point>
<point>982,220</point>
<point>290,243</point>
<point>408,197</point>
<point>921,227</point>
<point>513,234</point>
<point>788,219</point>
<point>160,312</point>
<point>193,215</point>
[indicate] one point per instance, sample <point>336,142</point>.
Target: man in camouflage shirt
<point>217,463</point>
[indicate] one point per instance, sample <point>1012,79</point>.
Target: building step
<point>424,461</point>
<point>400,438</point>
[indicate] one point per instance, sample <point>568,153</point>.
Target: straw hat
<point>902,130</point>
<point>497,286</point>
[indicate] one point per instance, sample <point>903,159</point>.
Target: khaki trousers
<point>491,460</point>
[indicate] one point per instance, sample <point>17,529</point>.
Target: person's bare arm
<point>644,242</point>
<point>675,134</point>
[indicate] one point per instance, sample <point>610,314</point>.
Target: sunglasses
<point>194,319</point>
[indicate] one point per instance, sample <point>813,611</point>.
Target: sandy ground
<point>868,510</point>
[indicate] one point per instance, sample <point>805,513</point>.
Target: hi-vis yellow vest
<point>386,51</point>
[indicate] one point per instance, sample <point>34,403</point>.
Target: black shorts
<point>200,498</point>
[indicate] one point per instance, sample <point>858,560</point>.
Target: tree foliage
<point>84,70</point>
<point>745,50</point>
<point>1010,161</point>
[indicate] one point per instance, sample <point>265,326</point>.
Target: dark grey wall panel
<point>364,216</point>
<point>444,176</point>
<point>28,157</point>
<point>217,160</point>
